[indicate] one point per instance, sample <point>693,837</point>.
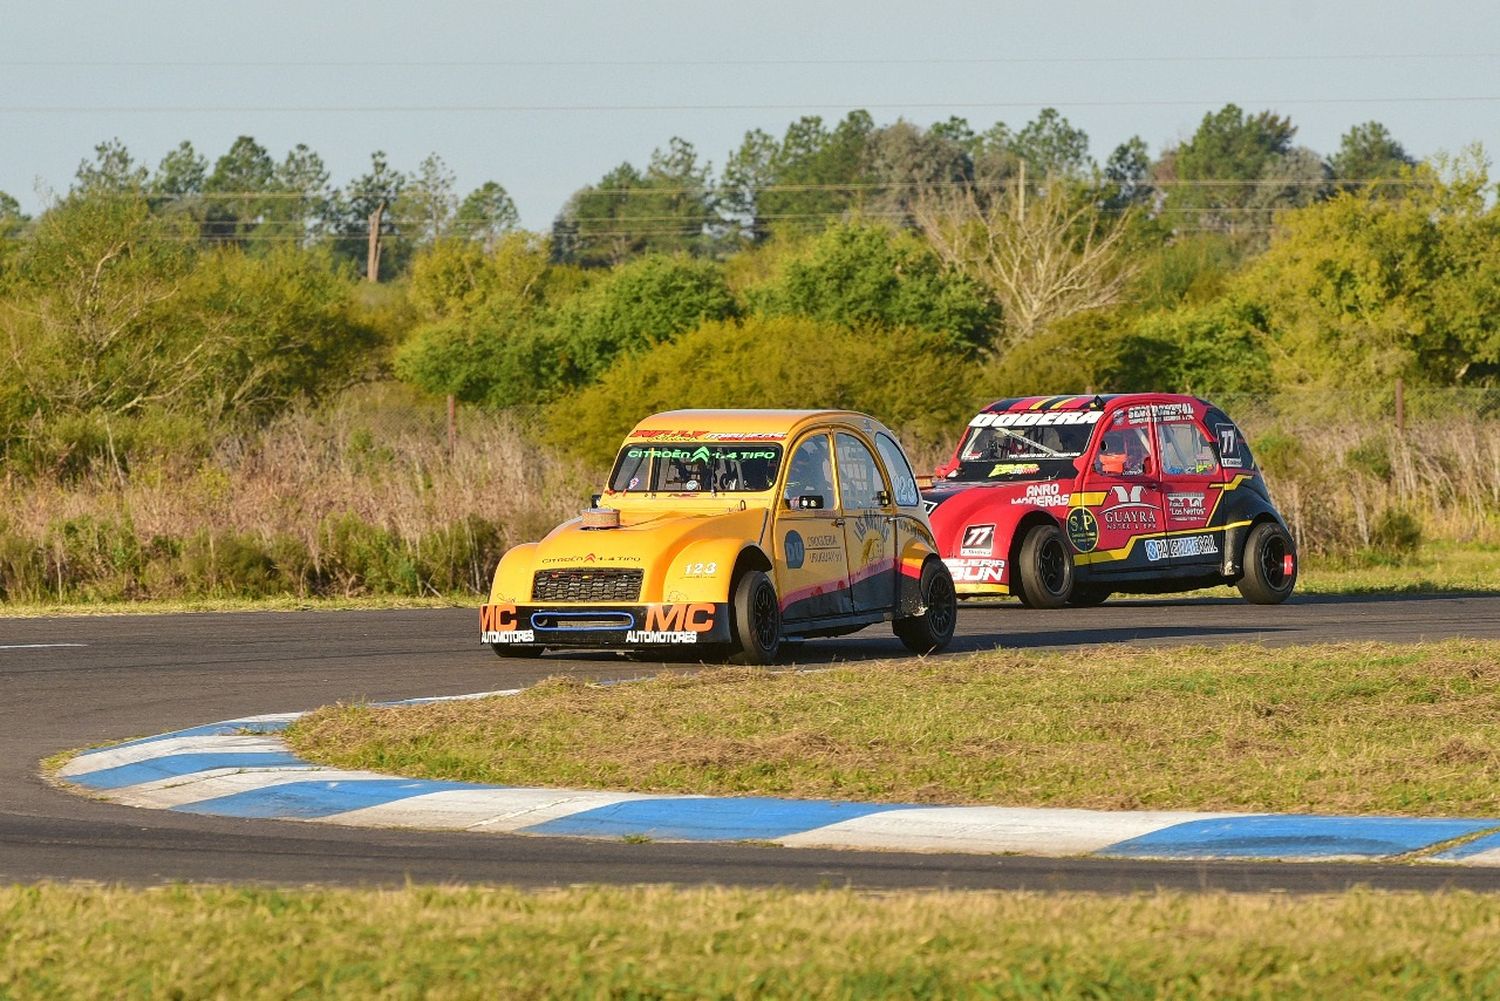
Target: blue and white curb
<point>242,768</point>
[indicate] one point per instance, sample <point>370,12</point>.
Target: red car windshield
<point>1028,452</point>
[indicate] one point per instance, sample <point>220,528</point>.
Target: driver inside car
<point>809,472</point>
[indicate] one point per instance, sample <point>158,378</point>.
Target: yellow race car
<point>731,531</point>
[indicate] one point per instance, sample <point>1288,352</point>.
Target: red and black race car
<point>1065,500</point>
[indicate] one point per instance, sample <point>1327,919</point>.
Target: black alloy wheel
<point>933,629</point>
<point>1270,565</point>
<point>1046,570</point>
<point>756,619</point>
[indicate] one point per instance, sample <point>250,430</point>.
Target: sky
<point>545,97</point>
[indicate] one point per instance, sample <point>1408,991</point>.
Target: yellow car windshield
<point>691,467</point>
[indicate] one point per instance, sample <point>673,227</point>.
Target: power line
<point>427,109</point>
<point>383,64</point>
<point>646,191</point>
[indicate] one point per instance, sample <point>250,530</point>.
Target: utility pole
<point>372,257</point>
<point>1021,195</point>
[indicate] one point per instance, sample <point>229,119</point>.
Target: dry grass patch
<point>1363,728</point>
<point>587,942</point>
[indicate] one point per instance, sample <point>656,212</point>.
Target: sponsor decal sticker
<point>1186,507</point>
<point>673,624</point>
<point>498,624</point>
<point>793,550</point>
<point>510,636</point>
<point>975,571</point>
<point>978,540</point>
<point>1083,529</point>
<point>1180,545</point>
<point>1032,418</point>
<point>1015,469</point>
<point>1161,411</point>
<point>1043,495</point>
<point>588,558</point>
<point>1228,437</point>
<point>872,523</point>
<point>700,454</point>
<point>1129,513</point>
<point>707,436</point>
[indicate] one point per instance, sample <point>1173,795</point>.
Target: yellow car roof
<point>731,425</point>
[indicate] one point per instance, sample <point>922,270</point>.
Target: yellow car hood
<point>644,538</point>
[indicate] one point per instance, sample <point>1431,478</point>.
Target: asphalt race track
<point>71,682</point>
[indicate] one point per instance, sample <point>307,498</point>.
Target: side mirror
<point>813,502</point>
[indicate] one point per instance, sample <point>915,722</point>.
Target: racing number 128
<point>700,569</point>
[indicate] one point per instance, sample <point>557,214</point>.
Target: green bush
<point>1396,533</point>
<point>861,276</point>
<point>98,558</point>
<point>356,557</point>
<point>501,362</point>
<point>640,305</point>
<point>461,556</point>
<point>229,563</point>
<point>914,381</point>
<point>1371,457</point>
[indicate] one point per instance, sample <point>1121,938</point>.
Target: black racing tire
<point>1267,549</point>
<point>755,619</point>
<point>1088,596</point>
<point>932,630</point>
<point>1046,570</point>
<point>510,651</point>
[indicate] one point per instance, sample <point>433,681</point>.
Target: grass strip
<point>588,942</point>
<point>1440,568</point>
<point>272,603</point>
<point>1343,728</point>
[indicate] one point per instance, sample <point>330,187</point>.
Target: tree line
<point>908,270</point>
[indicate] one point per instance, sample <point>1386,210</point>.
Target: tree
<point>276,328</point>
<point>1127,175</point>
<point>457,279</point>
<point>910,379</point>
<point>1043,257</point>
<point>83,332</point>
<point>486,337</point>
<point>487,214</point>
<point>1369,153</point>
<point>300,206</point>
<point>11,217</point>
<point>665,209</point>
<point>236,192</point>
<point>902,160</point>
<point>181,173</point>
<point>812,177</point>
<point>113,171</point>
<point>366,202</point>
<point>649,300</point>
<point>1235,172</point>
<point>12,224</point>
<point>1365,287</point>
<point>1052,147</point>
<point>872,276</point>
<point>427,202</point>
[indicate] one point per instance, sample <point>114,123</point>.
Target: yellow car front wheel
<point>756,618</point>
